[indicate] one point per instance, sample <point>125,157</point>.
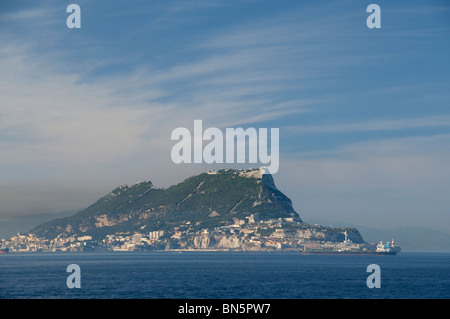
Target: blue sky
<point>363,113</point>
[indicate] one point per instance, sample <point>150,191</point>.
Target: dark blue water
<point>217,275</point>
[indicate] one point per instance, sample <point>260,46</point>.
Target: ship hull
<point>4,251</point>
<point>380,253</point>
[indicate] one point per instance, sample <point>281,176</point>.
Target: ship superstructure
<point>388,248</point>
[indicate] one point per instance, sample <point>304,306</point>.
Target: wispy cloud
<point>27,15</point>
<point>374,125</point>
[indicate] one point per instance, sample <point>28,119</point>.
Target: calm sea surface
<point>218,275</point>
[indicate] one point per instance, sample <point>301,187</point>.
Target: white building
<point>157,234</point>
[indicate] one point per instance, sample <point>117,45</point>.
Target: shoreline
<point>178,251</point>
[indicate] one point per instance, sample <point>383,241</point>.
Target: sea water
<point>218,275</point>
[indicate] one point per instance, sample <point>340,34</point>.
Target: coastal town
<point>249,234</point>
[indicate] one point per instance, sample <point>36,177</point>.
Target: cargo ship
<point>347,247</point>
<point>4,250</point>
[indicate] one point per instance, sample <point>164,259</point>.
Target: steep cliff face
<point>207,200</point>
<point>218,242</point>
<point>295,238</point>
<point>320,234</point>
<point>292,239</point>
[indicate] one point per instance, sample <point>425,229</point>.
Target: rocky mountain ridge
<point>225,209</point>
